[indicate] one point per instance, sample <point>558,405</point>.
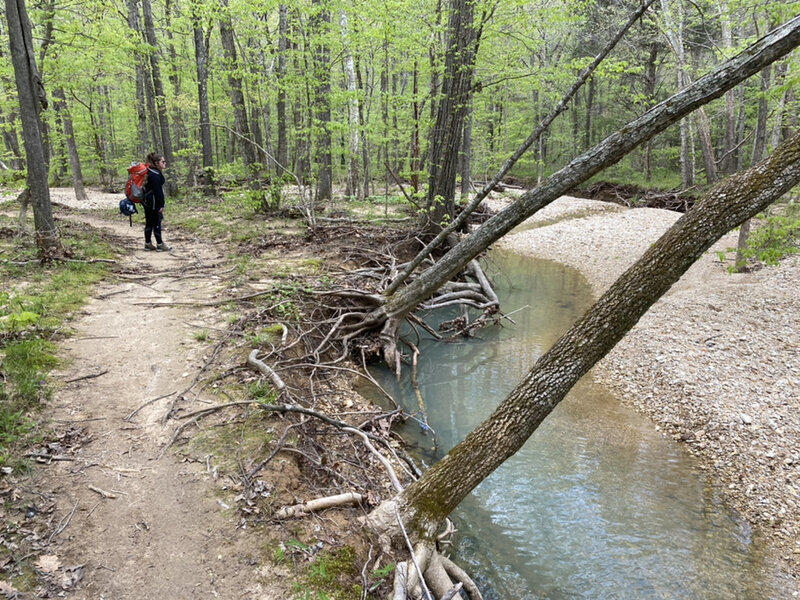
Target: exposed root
<point>458,574</point>
<point>301,510</point>
<point>277,382</point>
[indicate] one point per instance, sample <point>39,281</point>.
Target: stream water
<point>597,504</point>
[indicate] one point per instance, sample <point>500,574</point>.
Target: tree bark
<point>60,104</point>
<point>728,160</point>
<point>31,100</point>
<point>158,85</point>
<point>322,101</point>
<point>174,77</point>
<point>759,149</point>
<point>201,66</point>
<point>463,39</point>
<point>427,501</point>
<point>144,89</point>
<point>241,124</point>
<point>282,154</point>
<point>353,187</point>
<point>673,30</point>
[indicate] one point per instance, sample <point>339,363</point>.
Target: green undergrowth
<point>323,574</point>
<point>36,304</point>
<point>775,234</point>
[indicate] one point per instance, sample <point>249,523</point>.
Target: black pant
<point>152,224</point>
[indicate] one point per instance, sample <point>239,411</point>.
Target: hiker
<point>153,202</point>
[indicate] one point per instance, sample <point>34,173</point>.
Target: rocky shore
<point>715,363</point>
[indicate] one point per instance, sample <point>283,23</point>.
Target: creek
<point>597,504</point>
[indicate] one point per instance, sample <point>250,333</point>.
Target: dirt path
<point>163,534</point>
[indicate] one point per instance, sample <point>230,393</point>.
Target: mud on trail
<point>129,523</point>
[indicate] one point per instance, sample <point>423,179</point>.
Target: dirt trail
<point>164,534</point>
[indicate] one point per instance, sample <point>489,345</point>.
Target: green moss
<point>331,575</point>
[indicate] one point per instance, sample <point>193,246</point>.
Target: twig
<point>364,575</point>
<point>453,591</point>
<point>49,457</point>
<point>86,377</point>
<point>63,523</point>
<point>413,556</point>
<point>103,493</point>
<point>278,446</point>
<point>389,470</point>
<point>148,403</point>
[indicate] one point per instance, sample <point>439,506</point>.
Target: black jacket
<point>154,190</point>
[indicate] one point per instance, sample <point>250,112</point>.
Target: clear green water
<point>597,504</point>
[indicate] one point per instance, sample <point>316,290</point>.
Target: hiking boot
<point>149,246</point>
<point>163,247</point>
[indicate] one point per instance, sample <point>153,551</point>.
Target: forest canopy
<point>348,91</point>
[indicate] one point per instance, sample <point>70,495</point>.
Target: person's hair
<point>153,159</point>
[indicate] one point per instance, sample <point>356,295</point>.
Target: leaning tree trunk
<point>765,51</point>
<point>427,501</point>
<point>31,97</point>
<point>60,105</point>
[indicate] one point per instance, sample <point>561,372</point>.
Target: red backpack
<point>137,178</point>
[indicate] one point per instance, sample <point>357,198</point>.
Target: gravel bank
<point>715,362</point>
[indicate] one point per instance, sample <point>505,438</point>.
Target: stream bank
<point>715,363</point>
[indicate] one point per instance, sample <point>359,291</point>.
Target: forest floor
<point>716,363</point>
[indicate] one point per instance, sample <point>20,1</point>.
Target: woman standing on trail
<point>153,202</point>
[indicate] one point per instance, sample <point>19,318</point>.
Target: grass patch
<point>35,304</point>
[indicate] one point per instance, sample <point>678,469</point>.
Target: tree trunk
<point>466,155</point>
<point>759,149</point>
<point>31,99</point>
<point>201,64</point>
<point>145,100</point>
<point>240,121</point>
<point>650,81</point>
<point>353,187</point>
<point>463,38</point>
<point>60,104</point>
<point>363,118</point>
<point>779,132</point>
<point>322,101</point>
<point>766,50</point>
<point>673,30</point>
<point>158,86</point>
<point>727,163</point>
<point>174,76</point>
<point>706,145</point>
<point>414,160</point>
<point>427,501</point>
<point>11,141</point>
<point>283,139</point>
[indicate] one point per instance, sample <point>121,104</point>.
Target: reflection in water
<point>596,504</point>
